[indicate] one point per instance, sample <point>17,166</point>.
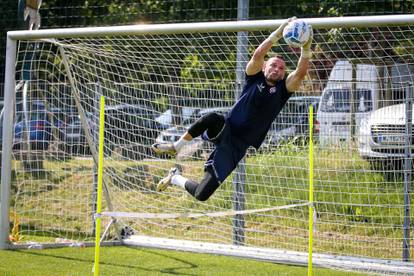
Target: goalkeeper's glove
<point>276,35</point>
<point>306,48</point>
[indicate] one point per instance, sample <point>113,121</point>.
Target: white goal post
<point>157,80</point>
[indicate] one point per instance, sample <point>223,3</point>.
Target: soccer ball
<point>296,33</point>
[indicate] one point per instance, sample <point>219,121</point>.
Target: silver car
<point>197,147</point>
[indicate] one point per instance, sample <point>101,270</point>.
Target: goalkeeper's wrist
<point>275,36</point>
<point>306,53</point>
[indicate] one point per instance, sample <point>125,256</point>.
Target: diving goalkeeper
<point>264,94</point>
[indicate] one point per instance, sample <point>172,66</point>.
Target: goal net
<point>157,80</point>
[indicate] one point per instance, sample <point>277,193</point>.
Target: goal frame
<point>182,28</point>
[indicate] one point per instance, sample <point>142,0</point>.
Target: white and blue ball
<point>296,33</point>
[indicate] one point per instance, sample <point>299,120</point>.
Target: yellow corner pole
<point>99,195</point>
<point>310,190</point>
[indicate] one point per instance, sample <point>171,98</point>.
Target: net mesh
<point>157,85</point>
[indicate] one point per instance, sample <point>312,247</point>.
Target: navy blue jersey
<point>259,104</point>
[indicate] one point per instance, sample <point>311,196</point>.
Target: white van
<point>334,113</point>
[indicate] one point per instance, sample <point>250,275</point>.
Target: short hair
<point>276,56</point>
<point>279,57</point>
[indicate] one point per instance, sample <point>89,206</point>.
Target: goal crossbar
<point>234,26</point>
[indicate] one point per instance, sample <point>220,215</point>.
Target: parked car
<point>335,108</point>
<point>130,128</point>
<point>197,146</point>
<point>37,126</point>
<point>382,138</point>
<point>74,137</point>
<point>166,118</point>
<point>45,126</point>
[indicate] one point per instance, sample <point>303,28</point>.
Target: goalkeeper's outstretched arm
<point>255,64</point>
<point>295,78</point>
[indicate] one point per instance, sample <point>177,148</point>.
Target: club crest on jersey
<point>261,87</point>
<point>272,90</point>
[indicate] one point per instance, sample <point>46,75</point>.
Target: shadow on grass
<point>171,270</point>
<point>167,270</point>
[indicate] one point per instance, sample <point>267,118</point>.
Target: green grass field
<point>58,205</point>
<point>133,261</point>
